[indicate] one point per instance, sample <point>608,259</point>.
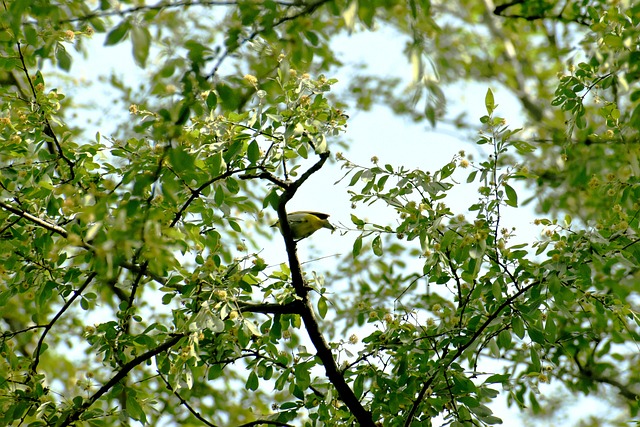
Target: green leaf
<point>117,34</point>
<point>535,359</point>
<point>536,335</point>
<point>355,178</point>
<point>496,290</point>
<point>523,147</point>
<point>218,195</point>
<point>283,379</point>
<point>252,382</point>
<point>9,63</point>
<point>134,409</point>
<point>504,339</point>
<point>234,225</point>
<point>141,42</point>
<point>376,245</point>
<point>322,307</point>
<point>253,152</point>
<point>447,170</point>
<point>357,221</point>
<point>518,326</point>
<point>228,97</point>
<point>496,378</point>
<point>181,160</point>
<point>358,386</point>
<point>512,196</point>
<point>289,405</point>
<point>357,247</point>
<point>613,41</point>
<point>550,329</point>
<point>481,410</point>
<point>63,57</point>
<point>215,163</point>
<point>366,12</point>
<point>489,101</point>
<point>491,420</point>
<point>212,100</point>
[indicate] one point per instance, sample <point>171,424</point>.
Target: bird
<point>304,223</point>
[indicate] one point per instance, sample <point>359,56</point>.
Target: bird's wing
<point>316,214</point>
<point>298,217</point>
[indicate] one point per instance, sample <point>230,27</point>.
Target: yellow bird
<point>304,223</point>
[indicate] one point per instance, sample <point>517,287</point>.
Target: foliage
<point>141,248</point>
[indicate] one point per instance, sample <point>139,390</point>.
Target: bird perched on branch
<point>304,223</point>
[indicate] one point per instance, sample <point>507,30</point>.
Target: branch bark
<point>47,328</point>
<point>462,348</point>
<point>75,413</point>
<point>34,219</point>
<point>323,351</point>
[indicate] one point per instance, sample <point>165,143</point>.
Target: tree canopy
<point>133,289</point>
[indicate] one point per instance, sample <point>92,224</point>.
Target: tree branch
<point>265,423</point>
<point>48,130</point>
<point>623,389</point>
<point>462,348</point>
<point>161,6</point>
<point>294,307</point>
<point>185,403</point>
<point>47,328</point>
<point>196,193</point>
<point>323,351</point>
<point>509,53</point>
<point>74,414</point>
<point>501,9</point>
<point>34,219</point>
<point>269,177</point>
<point>309,9</point>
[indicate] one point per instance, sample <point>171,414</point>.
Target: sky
<point>379,133</point>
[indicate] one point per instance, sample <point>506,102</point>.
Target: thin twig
<point>47,328</point>
<point>312,7</point>
<point>462,348</point>
<point>48,130</point>
<point>160,6</point>
<point>185,403</point>
<point>74,414</point>
<point>196,193</point>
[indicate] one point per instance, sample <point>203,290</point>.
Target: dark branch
<point>323,351</point>
<point>308,10</point>
<point>196,193</point>
<point>265,423</point>
<point>462,348</point>
<point>185,403</point>
<point>294,307</point>
<point>623,389</point>
<point>74,415</point>
<point>135,268</point>
<point>48,130</point>
<point>500,10</point>
<point>47,328</point>
<point>269,177</point>
<point>160,6</point>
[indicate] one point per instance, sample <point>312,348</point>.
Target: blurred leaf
<point>117,34</point>
<point>141,42</point>
<point>63,57</point>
